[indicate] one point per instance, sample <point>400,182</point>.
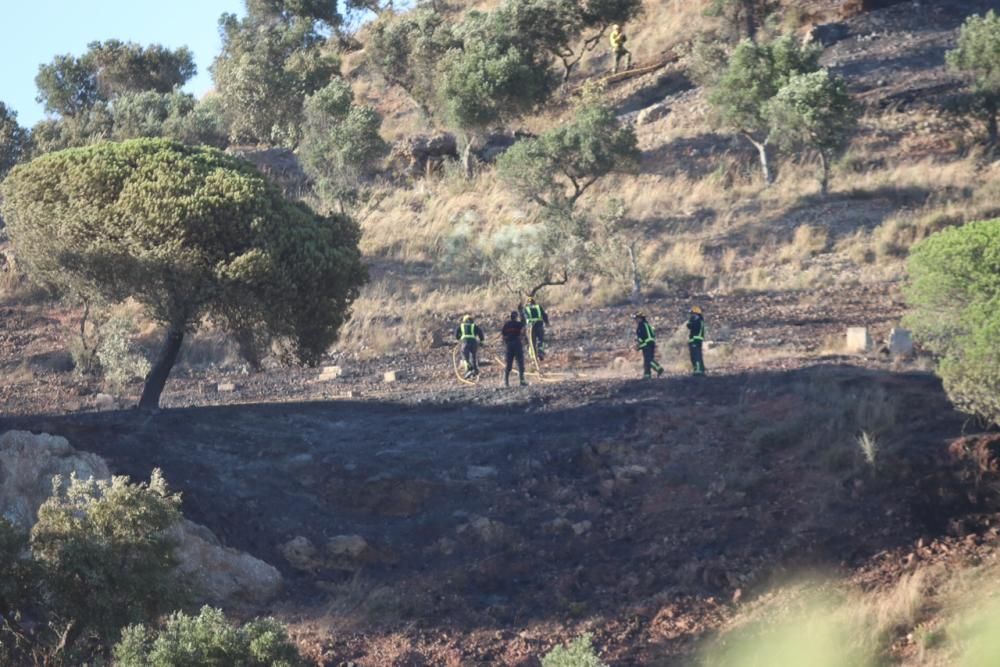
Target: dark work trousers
<point>538,338</point>
<point>470,352</point>
<point>514,353</point>
<point>697,362</point>
<point>648,360</point>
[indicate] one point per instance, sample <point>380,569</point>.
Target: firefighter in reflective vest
<point>618,40</point>
<point>646,342</point>
<point>536,319</point>
<point>696,336</point>
<point>470,335</point>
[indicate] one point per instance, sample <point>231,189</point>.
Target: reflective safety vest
<point>700,336</point>
<point>650,335</point>
<point>617,40</point>
<point>534,313</point>
<point>469,331</point>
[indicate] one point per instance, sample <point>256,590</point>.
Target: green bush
<point>954,298</point>
<point>578,653</point>
<point>207,639</point>
<point>120,360</point>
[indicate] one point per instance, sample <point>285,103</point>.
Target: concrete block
<point>390,376</point>
<point>858,339</point>
<point>900,343</point>
<point>225,387</point>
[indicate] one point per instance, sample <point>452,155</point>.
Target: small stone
<point>105,402</point>
<point>390,376</point>
<point>225,387</point>
<point>582,527</point>
<point>480,472</point>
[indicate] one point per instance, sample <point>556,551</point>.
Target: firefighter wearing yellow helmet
<point>618,39</point>
<point>646,343</point>
<point>470,336</point>
<point>696,337</point>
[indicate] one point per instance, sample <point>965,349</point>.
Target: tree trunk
<point>750,19</point>
<point>636,296</point>
<point>824,183</point>
<point>467,157</point>
<point>158,374</point>
<point>991,126</point>
<point>765,165</point>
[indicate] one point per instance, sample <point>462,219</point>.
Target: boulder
<point>28,463</point>
<point>349,552</point>
<point>105,402</point>
<point>828,34</point>
<point>222,575</point>
<point>225,387</point>
<point>653,113</point>
<point>302,554</point>
<point>419,155</point>
<point>390,376</point>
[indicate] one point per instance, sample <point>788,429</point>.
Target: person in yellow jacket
<point>618,39</point>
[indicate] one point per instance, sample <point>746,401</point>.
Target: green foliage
<point>265,71</point>
<point>207,639</point>
<point>579,653</point>
<point>189,232</point>
<point>814,111</point>
<point>558,167</point>
<point>14,140</point>
<point>106,556</point>
<point>743,15</point>
<point>978,56</point>
<point>954,298</point>
<point>69,86</point>
<point>120,361</point>
<point>493,77</point>
<point>407,49</point>
<point>90,126</point>
<point>341,143</point>
<point>755,74</point>
<point>173,115</point>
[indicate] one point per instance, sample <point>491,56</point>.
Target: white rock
<point>331,373</point>
<point>480,472</point>
<point>858,339</point>
<point>653,113</point>
<point>390,376</point>
<point>105,402</point>
<point>225,387</point>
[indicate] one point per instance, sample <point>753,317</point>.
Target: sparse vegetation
<point>578,653</point>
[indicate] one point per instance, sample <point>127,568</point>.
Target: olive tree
<point>340,143</point>
<point>755,74</point>
<point>554,170</point>
<point>814,111</point>
<point>265,71</point>
<point>954,299</point>
<point>978,56</point>
<point>69,85</point>
<point>190,233</point>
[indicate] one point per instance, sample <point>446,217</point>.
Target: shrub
<point>954,297</point>
<point>120,360</point>
<point>207,639</point>
<point>105,555</point>
<point>579,653</point>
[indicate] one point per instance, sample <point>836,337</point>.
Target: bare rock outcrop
<point>220,575</point>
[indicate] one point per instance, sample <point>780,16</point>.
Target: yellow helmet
<point>615,28</point>
<point>467,318</point>
<point>639,316</point>
<point>696,310</point>
<point>530,298</point>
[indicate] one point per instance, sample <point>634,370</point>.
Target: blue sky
<point>37,30</point>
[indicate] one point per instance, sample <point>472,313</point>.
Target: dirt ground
<point>499,522</point>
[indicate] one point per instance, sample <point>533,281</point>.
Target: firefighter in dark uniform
<point>696,337</point>
<point>646,342</point>
<point>512,333</point>
<point>470,335</point>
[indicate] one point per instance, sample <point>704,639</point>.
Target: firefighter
<point>470,335</point>
<point>618,40</point>
<point>696,336</point>
<point>646,342</point>
<point>512,333</point>
<point>536,320</point>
